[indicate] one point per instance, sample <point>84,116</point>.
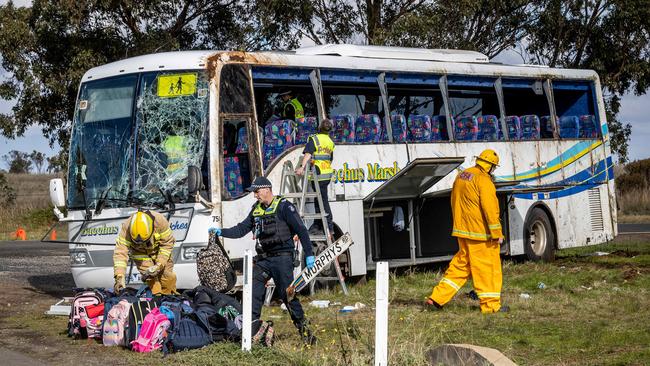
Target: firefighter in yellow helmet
<point>147,238</point>
<point>475,211</point>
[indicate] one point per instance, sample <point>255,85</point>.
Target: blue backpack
<point>189,331</point>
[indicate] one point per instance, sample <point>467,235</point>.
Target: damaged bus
<point>186,132</point>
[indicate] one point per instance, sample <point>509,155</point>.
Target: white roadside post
<point>381,316</point>
<point>247,306</point>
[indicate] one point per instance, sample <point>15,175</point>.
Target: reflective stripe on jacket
<point>475,207</point>
<point>157,249</point>
<point>176,151</point>
<point>322,157</point>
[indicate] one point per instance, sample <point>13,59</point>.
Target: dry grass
<point>636,202</point>
<point>31,211</point>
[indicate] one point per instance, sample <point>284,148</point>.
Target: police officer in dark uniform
<point>274,222</point>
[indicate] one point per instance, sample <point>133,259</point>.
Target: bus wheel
<point>539,238</point>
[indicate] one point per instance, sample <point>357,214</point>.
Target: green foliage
<point>7,193</point>
<point>19,162</point>
<point>636,177</point>
<point>47,48</point>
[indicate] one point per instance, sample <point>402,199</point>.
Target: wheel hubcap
<point>538,238</point>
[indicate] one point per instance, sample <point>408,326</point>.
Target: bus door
<point>391,210</point>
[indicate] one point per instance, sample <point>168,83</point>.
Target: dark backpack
<point>214,268</point>
<point>189,331</point>
<point>138,311</point>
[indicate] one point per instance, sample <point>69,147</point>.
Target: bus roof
<point>350,57</point>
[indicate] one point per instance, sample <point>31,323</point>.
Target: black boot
<point>305,333</point>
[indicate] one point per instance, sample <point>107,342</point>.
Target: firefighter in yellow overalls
<point>475,211</point>
<point>148,240</point>
<point>320,151</point>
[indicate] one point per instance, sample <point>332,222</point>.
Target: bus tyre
<point>539,238</point>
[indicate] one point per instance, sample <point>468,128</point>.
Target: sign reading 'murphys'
<point>323,259</point>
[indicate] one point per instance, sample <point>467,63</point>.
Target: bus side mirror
<point>193,180</point>
<point>57,197</point>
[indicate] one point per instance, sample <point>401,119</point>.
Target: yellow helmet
<point>141,227</point>
<point>489,156</point>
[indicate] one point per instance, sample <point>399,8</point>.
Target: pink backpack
<point>77,320</point>
<point>152,333</point>
<point>115,324</point>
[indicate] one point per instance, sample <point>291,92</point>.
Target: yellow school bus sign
<point>176,85</point>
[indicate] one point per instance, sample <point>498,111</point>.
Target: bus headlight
<point>78,258</point>
<point>190,253</point>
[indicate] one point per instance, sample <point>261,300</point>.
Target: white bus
<point>186,132</point>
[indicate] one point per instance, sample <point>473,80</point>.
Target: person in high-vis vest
<point>319,151</point>
<point>292,108</point>
<point>274,221</point>
<point>176,151</point>
<point>147,239</point>
<point>475,211</point>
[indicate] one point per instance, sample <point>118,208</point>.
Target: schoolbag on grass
<point>115,324</point>
<point>265,335</point>
<point>188,332</point>
<point>152,333</point>
<point>78,311</point>
<point>93,320</point>
<point>137,313</point>
<point>214,268</point>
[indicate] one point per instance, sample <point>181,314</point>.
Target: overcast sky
<point>634,110</point>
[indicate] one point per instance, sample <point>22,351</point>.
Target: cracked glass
<point>172,118</point>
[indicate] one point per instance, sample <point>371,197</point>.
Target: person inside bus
<point>147,239</point>
<point>291,108</point>
<point>319,152</point>
<point>274,221</point>
<point>475,212</point>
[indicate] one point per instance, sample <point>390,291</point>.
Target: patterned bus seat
<point>546,127</point>
<point>277,139</point>
<point>232,176</point>
<point>466,128</point>
<point>438,128</point>
<point>400,131</point>
<point>569,127</point>
<point>398,124</point>
<point>367,129</point>
<point>306,126</point>
<point>530,127</point>
<point>488,128</point>
<point>419,127</point>
<point>588,127</point>
<point>343,128</point>
<point>513,124</point>
<point>242,141</point>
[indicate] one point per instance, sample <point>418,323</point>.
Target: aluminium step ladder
<point>298,189</point>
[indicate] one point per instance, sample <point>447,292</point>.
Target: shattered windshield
<point>172,118</point>
<point>101,141</point>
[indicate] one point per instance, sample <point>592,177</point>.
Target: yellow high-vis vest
<point>322,157</point>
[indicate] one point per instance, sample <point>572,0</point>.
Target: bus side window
<point>575,106</point>
<point>526,109</point>
<point>357,113</point>
<point>423,112</point>
<point>286,108</point>
<point>475,109</point>
<point>236,162</point>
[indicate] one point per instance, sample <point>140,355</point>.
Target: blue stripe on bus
<point>580,182</point>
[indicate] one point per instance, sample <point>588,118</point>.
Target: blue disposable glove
<point>214,230</point>
<point>310,261</point>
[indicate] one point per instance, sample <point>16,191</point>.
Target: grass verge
<point>592,310</point>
